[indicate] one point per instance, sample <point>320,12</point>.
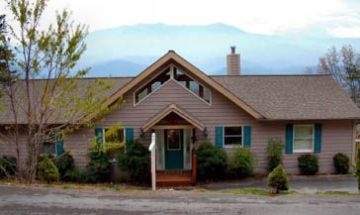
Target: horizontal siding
<point>337,135</point>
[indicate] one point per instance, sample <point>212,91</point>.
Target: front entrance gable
<point>173,113</point>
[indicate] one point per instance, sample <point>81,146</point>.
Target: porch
<point>173,158</point>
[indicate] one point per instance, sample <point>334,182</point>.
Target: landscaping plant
<point>278,180</point>
<point>341,163</point>
<point>7,166</point>
<point>47,171</point>
<point>212,162</point>
<point>357,168</point>
<point>241,162</point>
<point>135,161</point>
<point>98,169</point>
<point>64,163</point>
<point>308,164</point>
<point>274,152</point>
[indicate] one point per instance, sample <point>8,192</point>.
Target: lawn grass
<point>254,191</point>
<point>337,193</point>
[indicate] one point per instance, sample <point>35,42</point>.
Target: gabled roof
<point>172,56</point>
<point>177,110</point>
<point>292,97</point>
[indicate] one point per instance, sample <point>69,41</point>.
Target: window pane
<point>303,131</point>
<point>194,86</point>
<point>303,138</point>
<point>206,94</point>
<point>114,136</point>
<point>233,131</point>
<point>48,148</point>
<point>233,140</point>
<point>303,145</point>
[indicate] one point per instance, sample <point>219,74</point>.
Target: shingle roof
<point>292,97</point>
<point>276,97</point>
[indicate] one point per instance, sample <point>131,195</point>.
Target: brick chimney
<point>233,62</point>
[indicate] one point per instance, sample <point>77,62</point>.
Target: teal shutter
<point>289,138</point>
<point>99,135</point>
<point>219,137</point>
<point>59,145</point>
<point>129,134</point>
<point>317,141</point>
<point>247,136</point>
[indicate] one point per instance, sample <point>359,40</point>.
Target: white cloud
<point>257,16</point>
<point>344,32</point>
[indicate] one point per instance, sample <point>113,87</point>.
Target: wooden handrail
<point>193,167</point>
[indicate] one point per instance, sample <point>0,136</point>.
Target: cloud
<point>344,32</point>
<point>256,16</point>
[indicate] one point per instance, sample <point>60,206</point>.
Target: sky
<point>255,16</point>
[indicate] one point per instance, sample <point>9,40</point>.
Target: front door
<point>174,155</point>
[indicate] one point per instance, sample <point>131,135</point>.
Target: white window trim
<point>166,82</point>
<point>233,145</point>
<point>313,139</point>
<point>107,127</point>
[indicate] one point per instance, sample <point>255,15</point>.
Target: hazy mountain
<point>127,50</point>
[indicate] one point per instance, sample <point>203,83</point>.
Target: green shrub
<point>64,163</point>
<point>47,171</point>
<point>98,169</point>
<point>241,162</point>
<point>278,180</point>
<point>274,152</point>
<point>308,164</point>
<point>136,161</point>
<point>112,150</point>
<point>7,166</point>
<point>341,163</point>
<point>212,162</point>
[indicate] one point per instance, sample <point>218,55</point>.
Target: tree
<point>344,66</point>
<point>54,104</point>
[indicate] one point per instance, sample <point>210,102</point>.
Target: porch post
<point>153,160</point>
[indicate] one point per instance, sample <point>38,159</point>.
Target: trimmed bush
<point>47,171</point>
<point>278,180</point>
<point>212,162</point>
<point>274,152</point>
<point>308,164</point>
<point>7,166</point>
<point>98,169</point>
<point>241,162</point>
<point>64,163</point>
<point>357,168</point>
<point>135,161</point>
<point>341,163</point>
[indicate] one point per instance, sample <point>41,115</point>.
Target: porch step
<point>173,178</point>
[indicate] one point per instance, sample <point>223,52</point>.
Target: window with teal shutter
<point>219,137</point>
<point>289,139</point>
<point>99,135</point>
<point>247,136</point>
<point>318,136</point>
<point>129,134</point>
<point>59,145</point>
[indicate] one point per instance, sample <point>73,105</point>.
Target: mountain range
<point>127,50</point>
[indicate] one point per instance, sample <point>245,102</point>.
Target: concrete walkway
<point>301,184</point>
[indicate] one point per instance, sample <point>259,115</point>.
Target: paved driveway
<point>24,200</point>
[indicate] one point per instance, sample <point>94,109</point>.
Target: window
<point>192,85</point>
<point>152,85</point>
<point>303,138</point>
<point>179,76</point>
<point>233,136</point>
<point>114,135</point>
<point>48,148</point>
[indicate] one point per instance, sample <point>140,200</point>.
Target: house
<point>185,107</point>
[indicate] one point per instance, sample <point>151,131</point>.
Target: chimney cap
<point>233,49</point>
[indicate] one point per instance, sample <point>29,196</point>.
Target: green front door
<point>174,154</point>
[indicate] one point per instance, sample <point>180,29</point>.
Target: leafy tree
<point>344,66</point>
<point>51,55</point>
